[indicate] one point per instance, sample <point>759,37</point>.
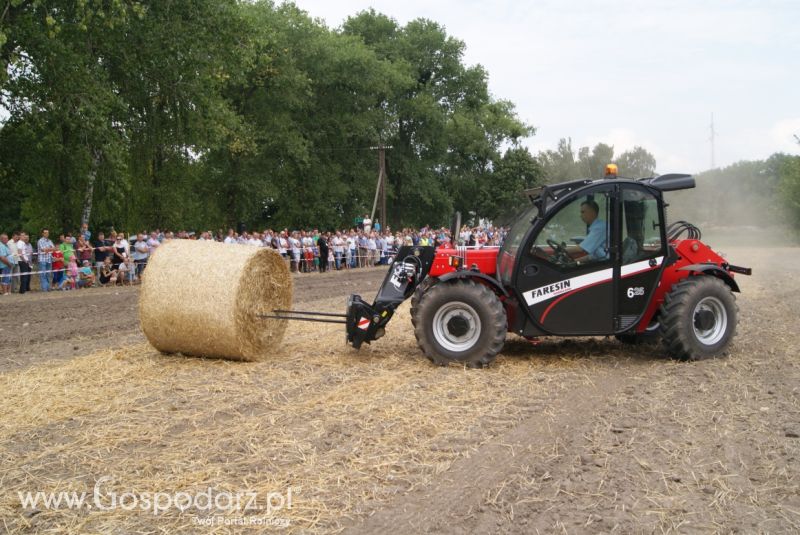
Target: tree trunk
<point>89,196</point>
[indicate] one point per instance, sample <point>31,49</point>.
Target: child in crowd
<point>127,272</point>
<point>58,267</point>
<point>85,275</point>
<point>108,275</point>
<point>69,282</point>
<point>122,275</point>
<point>132,277</point>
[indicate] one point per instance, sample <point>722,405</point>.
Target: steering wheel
<point>560,254</point>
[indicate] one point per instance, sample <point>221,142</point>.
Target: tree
<point>597,160</point>
<point>517,171</point>
<point>58,94</point>
<point>563,164</point>
<point>789,187</point>
<point>560,165</point>
<point>206,113</point>
<point>446,130</point>
<point>636,163</point>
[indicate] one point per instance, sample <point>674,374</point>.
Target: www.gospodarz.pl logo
<point>208,500</point>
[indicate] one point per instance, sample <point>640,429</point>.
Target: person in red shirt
<point>58,267</point>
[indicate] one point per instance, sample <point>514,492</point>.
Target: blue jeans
<point>58,276</point>
<point>338,257</point>
<point>44,278</point>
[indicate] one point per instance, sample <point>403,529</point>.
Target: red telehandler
<point>638,280</point>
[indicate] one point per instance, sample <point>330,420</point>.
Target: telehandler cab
<point>639,280</point>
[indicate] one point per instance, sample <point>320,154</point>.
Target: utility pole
<point>713,136</point>
<point>380,191</point>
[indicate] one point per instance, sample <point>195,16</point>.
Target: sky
<point>628,73</point>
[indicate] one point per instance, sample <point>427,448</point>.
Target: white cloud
<point>783,135</point>
<point>628,72</point>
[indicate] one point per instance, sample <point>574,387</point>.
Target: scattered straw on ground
<point>666,447</point>
<point>342,428</point>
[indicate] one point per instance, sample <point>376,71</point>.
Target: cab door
<point>560,294</point>
<point>642,252</point>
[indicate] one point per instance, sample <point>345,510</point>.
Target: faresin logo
<point>546,292</point>
<point>543,293</point>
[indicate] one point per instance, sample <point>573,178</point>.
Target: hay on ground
<point>205,298</point>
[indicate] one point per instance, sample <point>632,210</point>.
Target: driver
<point>594,245</point>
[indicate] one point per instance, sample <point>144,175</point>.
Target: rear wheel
<point>698,318</point>
<point>462,321</point>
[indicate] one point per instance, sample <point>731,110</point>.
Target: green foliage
<point>209,113</point>
<point>789,187</point>
<point>636,163</point>
<point>563,164</point>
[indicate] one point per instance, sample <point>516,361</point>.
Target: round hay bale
<point>203,298</point>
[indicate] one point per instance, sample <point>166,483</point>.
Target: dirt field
<point>574,436</point>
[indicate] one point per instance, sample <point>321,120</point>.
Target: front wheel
<point>698,318</point>
<point>417,295</point>
<point>461,322</point>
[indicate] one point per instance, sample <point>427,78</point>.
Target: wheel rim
<point>456,326</point>
<point>710,320</point>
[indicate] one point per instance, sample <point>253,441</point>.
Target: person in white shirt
<point>141,252</point>
<point>255,240</point>
<point>152,242</point>
<point>307,255</point>
<point>15,270</point>
<point>231,237</point>
<point>283,244</point>
<point>297,251</point>
<point>367,224</point>
<point>338,249</point>
<point>350,251</point>
<point>372,250</point>
<point>25,250</point>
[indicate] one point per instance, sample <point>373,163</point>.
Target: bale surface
<point>203,298</point>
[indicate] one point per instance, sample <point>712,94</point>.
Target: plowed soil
<point>568,436</point>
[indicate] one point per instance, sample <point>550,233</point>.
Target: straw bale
<point>204,298</point>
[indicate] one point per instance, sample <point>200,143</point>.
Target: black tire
<point>651,336</point>
<point>417,295</point>
<point>698,318</point>
<point>462,322</point>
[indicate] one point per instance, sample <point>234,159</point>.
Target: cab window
<point>579,231</point>
<point>641,230</point>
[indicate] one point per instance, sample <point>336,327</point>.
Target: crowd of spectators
<point>83,260</point>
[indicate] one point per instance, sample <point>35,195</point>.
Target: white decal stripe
<point>638,267</point>
<point>549,291</point>
<point>543,293</point>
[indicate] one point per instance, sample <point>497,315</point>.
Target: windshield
<point>518,230</point>
<point>513,241</point>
